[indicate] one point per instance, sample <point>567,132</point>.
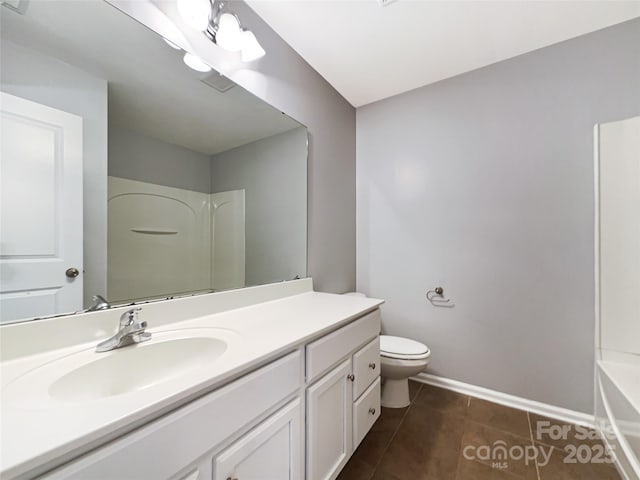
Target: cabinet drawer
<point>366,366</point>
<point>331,349</point>
<point>192,430</point>
<point>366,411</point>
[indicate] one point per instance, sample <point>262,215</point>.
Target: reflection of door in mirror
<point>40,210</point>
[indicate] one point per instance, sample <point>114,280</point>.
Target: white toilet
<point>400,358</point>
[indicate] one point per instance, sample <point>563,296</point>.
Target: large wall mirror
<point>127,174</point>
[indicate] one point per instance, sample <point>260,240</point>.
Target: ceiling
<point>368,52</point>
<point>150,90</point>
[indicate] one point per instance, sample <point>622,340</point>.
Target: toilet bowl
<point>400,358</point>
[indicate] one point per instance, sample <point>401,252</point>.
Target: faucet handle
<point>139,326</point>
<point>130,316</point>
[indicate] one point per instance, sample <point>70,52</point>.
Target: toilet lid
<point>400,347</point>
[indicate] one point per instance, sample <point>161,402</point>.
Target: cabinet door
<point>329,414</point>
<point>271,451</point>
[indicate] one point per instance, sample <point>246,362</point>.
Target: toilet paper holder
<point>437,298</point>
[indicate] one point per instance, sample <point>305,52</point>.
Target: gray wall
<point>272,172</point>
<point>136,156</point>
<point>483,184</point>
<point>67,88</point>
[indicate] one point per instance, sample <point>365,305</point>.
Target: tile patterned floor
<point>428,441</point>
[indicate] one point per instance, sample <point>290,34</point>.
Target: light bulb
<point>251,49</point>
<point>195,13</point>
<point>228,34</point>
<point>196,63</point>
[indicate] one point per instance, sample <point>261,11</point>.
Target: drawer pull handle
<point>351,377</point>
<point>372,366</point>
<point>232,478</point>
<point>372,411</point>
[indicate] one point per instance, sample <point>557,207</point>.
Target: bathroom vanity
<point>272,382</point>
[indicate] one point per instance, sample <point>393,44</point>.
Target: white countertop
<point>37,431</point>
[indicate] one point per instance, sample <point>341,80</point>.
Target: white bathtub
<point>618,408</point>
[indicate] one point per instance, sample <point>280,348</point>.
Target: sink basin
<point>178,355</point>
<point>136,367</point>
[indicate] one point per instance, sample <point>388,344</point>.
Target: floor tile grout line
<point>395,432</point>
<point>533,442</point>
<point>466,417</point>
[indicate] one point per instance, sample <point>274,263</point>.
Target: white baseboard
<point>558,413</point>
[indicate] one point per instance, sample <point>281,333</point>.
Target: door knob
<point>351,377</point>
<point>72,272</point>
<point>372,365</point>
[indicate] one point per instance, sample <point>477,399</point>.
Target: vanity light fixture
<point>228,33</point>
<point>251,49</point>
<point>221,26</point>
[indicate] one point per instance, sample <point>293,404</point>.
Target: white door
<point>329,420</point>
<point>40,210</point>
<point>271,451</point>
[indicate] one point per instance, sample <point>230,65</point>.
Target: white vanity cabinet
<point>343,396</point>
<point>299,417</point>
<point>184,444</point>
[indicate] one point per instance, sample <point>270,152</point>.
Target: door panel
<point>40,209</point>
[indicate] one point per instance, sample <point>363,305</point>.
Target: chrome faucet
<point>100,303</point>
<point>131,331</point>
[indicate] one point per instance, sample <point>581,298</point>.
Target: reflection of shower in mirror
<point>169,241</point>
